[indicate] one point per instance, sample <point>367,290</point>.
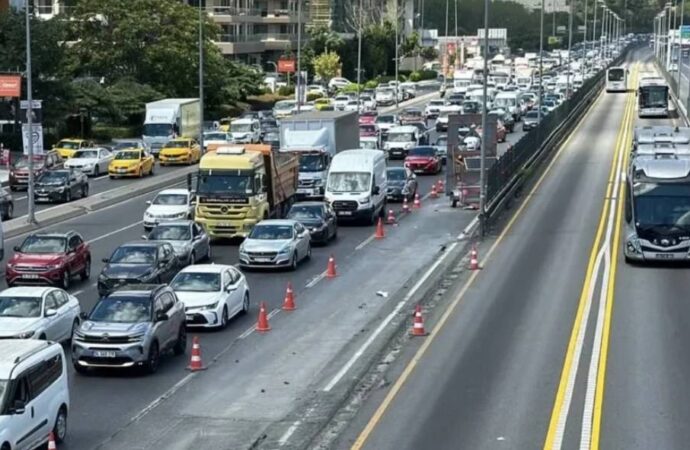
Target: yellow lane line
<point>404,376</point>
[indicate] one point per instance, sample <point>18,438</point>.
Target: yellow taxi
<point>131,162</point>
<point>180,151</point>
<point>68,147</point>
<point>321,104</point>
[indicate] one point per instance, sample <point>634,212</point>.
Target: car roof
<point>174,191</point>
<point>206,268</point>
<point>404,129</point>
<point>141,244</point>
<point>26,291</point>
<point>13,350</point>
<point>311,203</point>
<point>175,223</point>
<point>395,169</point>
<point>139,290</point>
<point>277,222</point>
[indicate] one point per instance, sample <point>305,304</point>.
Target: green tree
<point>327,65</point>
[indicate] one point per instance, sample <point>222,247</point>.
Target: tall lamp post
<point>680,44</point>
<point>299,56</point>
<point>541,66</point>
<point>485,130</point>
<point>201,75</point>
<point>397,50</point>
<point>584,45</point>
<point>570,46</point>
<point>359,57</point>
<point>31,216</point>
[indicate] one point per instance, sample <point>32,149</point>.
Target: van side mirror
<point>161,316</point>
<point>16,248</point>
<point>18,407</point>
<point>83,315</point>
<point>51,312</point>
<point>376,190</point>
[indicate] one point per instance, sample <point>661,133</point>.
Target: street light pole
<point>541,67</point>
<point>31,216</point>
<point>602,37</point>
<point>570,46</point>
<point>594,28</point>
<point>359,58</point>
<point>299,57</point>
<point>397,46</point>
<point>680,43</point>
<point>584,45</point>
<point>201,76</point>
<point>485,129</point>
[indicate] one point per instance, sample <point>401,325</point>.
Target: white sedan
<point>34,312</point>
<point>169,205</point>
<point>212,294</point>
<point>91,161</point>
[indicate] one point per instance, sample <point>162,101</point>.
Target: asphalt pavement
<point>488,378</point>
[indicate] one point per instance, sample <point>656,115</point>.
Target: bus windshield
<point>616,74</point>
<point>654,97</point>
<point>664,205</point>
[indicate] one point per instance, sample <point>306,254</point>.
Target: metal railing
<point>256,37</point>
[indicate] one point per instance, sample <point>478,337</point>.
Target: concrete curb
<point>51,216</point>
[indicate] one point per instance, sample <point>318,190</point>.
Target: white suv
<point>34,393</point>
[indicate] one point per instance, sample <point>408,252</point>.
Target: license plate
<point>263,259</point>
<point>664,256</point>
<point>104,354</point>
<point>30,276</point>
<point>344,213</point>
<point>304,191</point>
<point>122,170</point>
<point>190,317</point>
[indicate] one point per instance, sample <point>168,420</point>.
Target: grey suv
<point>131,327</point>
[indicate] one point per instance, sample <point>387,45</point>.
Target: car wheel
<point>112,177</point>
<point>60,427</point>
<point>9,212</point>
<point>13,188</point>
<point>245,303</point>
<point>85,191</point>
<point>68,196</point>
<point>308,257</point>
<point>66,279</point>
<point>140,173</point>
<point>86,273</point>
<point>223,318</point>
<point>153,358</point>
<point>209,253</point>
<point>192,258</point>
<point>294,261</point>
<point>96,170</point>
<point>335,232</point>
<point>75,327</point>
<point>181,343</point>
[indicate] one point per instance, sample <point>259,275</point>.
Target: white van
<point>34,393</point>
<point>509,102</point>
<point>356,185</point>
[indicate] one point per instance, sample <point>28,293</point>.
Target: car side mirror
<point>161,316</point>
<point>148,202</point>
<point>144,237</point>
<point>51,312</point>
<point>16,248</point>
<point>18,407</point>
<point>106,260</point>
<point>83,315</point>
<point>376,190</point>
<point>231,288</point>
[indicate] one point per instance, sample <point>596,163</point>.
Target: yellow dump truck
<point>240,185</point>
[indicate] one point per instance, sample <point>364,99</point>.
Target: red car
<point>49,259</point>
<point>368,130</point>
<point>423,160</point>
<point>368,117</point>
<point>19,172</point>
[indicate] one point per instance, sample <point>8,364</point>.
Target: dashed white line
<point>119,230</point>
<point>288,434</point>
<point>316,280</point>
<point>365,242</point>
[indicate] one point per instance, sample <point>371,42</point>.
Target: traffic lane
<point>501,351</point>
<point>96,185</point>
<point>135,391</point>
<point>648,368</point>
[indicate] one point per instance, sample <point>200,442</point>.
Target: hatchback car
<point>423,160</point>
<point>45,313</point>
<point>61,185</point>
<point>275,243</point>
<point>67,147</point>
<point>318,217</point>
<point>19,172</point>
<point>212,294</point>
<point>131,327</point>
<point>134,162</point>
<point>530,121</point>
<point>402,184</point>
<point>49,258</point>
<point>188,239</point>
<point>138,263</point>
<point>180,151</point>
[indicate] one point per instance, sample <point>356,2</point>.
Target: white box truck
<point>317,136</point>
<point>170,118</point>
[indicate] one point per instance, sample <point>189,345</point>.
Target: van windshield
<point>349,181</point>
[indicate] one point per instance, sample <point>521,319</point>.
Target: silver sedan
<point>188,239</point>
<point>276,243</point>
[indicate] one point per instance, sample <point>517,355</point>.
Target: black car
<point>6,204</point>
<point>318,217</point>
<point>138,263</point>
<point>61,185</point>
<point>402,184</point>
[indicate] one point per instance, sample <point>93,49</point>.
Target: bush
<point>421,75</point>
<point>106,133</point>
<point>286,91</point>
<point>311,96</point>
<point>371,84</point>
<point>354,87</point>
<point>265,101</point>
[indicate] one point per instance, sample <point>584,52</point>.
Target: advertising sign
<point>36,138</point>
<point>36,111</point>
<point>10,86</point>
<point>286,66</point>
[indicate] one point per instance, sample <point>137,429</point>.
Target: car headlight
<point>285,250</point>
<point>209,306</point>
<point>25,335</point>
<point>54,266</point>
<point>136,337</point>
<point>181,215</point>
<point>102,277</point>
<point>61,189</point>
<point>318,183</point>
<point>633,245</point>
<point>148,215</point>
<point>364,201</point>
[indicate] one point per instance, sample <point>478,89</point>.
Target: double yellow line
<point>558,414</point>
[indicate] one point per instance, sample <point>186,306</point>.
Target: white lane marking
<point>273,313</point>
<point>365,242</point>
<point>358,354</point>
<point>100,178</point>
<point>119,230</point>
<point>251,329</point>
<point>288,434</point>
<point>316,280</point>
<point>21,198</point>
<point>167,394</point>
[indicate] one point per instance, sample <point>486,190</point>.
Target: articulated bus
<point>652,97</point>
<point>617,79</point>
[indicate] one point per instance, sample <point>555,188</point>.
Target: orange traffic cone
<point>434,192</point>
<point>51,441</point>
<point>330,269</point>
<point>289,302</point>
<point>418,327</point>
<point>390,220</point>
<point>439,185</point>
<point>474,259</point>
<point>195,363</point>
<point>406,206</point>
<point>262,324</point>
<point>417,202</point>
<point>380,233</point>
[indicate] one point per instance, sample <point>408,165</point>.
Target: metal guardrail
<point>514,164</point>
<point>680,94</point>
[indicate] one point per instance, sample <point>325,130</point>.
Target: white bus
<point>617,79</point>
<point>652,97</point>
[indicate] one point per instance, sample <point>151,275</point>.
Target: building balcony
<point>255,43</point>
<point>229,14</point>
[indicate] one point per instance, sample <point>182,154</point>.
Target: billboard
<point>36,138</point>
<point>286,66</point>
<point>10,86</point>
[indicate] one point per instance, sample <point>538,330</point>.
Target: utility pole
<point>594,28</point>
<point>584,45</point>
<point>485,130</point>
<point>299,57</point>
<point>201,76</point>
<point>541,66</point>
<point>680,46</point>
<point>31,216</point>
<point>397,47</point>
<point>570,46</point>
<point>359,58</point>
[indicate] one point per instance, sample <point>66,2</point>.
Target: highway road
<point>556,343</point>
<point>104,402</point>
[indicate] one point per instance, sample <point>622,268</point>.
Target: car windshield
<point>532,115</point>
<point>216,137</point>
<point>43,244</point>
<point>412,113</point>
<point>395,175</point>
<point>127,155</point>
<point>400,136</point>
<point>3,389</point>
<point>23,162</point>
<point>68,145</point>
<point>177,144</point>
<point>385,119</point>
<point>422,151</point>
<point>53,178</point>
<point>138,254</point>
<point>196,282</point>
<point>122,310</point>
<point>20,306</point>
<point>170,233</point>
<point>369,145</point>
<point>349,181</point>
<point>170,199</point>
<point>125,145</point>
<point>271,232</point>
<point>85,154</point>
<point>305,212</point>
<point>241,127</point>
<point>225,184</point>
<point>311,163</point>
